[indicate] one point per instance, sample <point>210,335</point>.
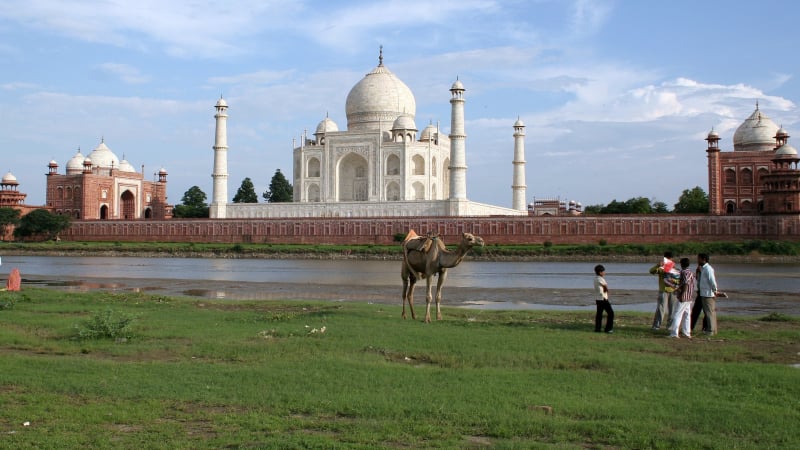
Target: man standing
<point>707,287</point>
<point>666,297</point>
<point>681,317</point>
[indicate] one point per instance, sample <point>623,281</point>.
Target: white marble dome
<point>519,123</point>
<point>756,133</point>
<point>377,100</point>
<point>404,122</point>
<point>327,126</point>
<point>428,134</point>
<point>786,150</point>
<point>125,166</point>
<point>103,157</point>
<point>9,178</point>
<point>75,164</point>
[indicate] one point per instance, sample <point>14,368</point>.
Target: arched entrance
<point>104,212</point>
<point>128,205</point>
<point>352,177</point>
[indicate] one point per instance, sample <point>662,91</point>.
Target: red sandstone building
<point>100,187</point>
<point>760,175</point>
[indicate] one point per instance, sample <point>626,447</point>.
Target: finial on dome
<point>380,57</point>
<point>102,139</point>
<point>756,104</point>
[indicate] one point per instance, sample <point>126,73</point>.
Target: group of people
<point>683,294</point>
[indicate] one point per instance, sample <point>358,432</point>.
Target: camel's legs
<point>439,284</point>
<point>409,296</point>
<point>428,298</point>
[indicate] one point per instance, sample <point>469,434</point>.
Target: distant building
<point>760,175</point>
<point>9,193</point>
<point>554,207</point>
<point>100,186</point>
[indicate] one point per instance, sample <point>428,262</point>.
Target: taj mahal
<point>380,166</point>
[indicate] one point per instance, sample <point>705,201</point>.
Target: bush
<point>106,325</point>
<point>399,237</point>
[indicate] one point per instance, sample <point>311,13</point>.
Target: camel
<point>426,256</point>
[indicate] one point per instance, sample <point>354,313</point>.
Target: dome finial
<point>380,56</point>
<point>756,104</point>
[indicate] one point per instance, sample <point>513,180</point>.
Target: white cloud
<point>124,72</point>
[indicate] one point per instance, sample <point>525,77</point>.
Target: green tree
<point>193,204</point>
<point>8,217</point>
<point>692,200</point>
<point>660,208</point>
<point>41,224</point>
<point>246,193</point>
<point>279,189</point>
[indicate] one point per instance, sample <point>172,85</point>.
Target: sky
<point>616,95</point>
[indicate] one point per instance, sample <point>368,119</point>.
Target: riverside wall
<point>612,229</point>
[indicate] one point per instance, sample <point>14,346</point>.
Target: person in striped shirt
<point>682,316</point>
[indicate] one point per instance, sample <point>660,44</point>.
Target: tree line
<point>193,203</point>
<point>691,201</point>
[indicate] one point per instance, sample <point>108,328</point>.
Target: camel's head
<point>471,240</point>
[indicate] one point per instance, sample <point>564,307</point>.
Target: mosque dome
<point>756,133</point>
<point>428,134</point>
<point>786,150</point>
<point>9,178</point>
<point>782,133</point>
<point>377,100</point>
<point>519,123</point>
<point>103,157</point>
<point>75,164</point>
<point>404,122</point>
<point>125,166</point>
<point>162,171</point>
<point>327,126</point>
<point>221,103</point>
<point>457,86</point>
<point>712,134</point>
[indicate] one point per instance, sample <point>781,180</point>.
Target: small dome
<point>327,126</point>
<point>781,133</point>
<point>9,178</point>
<point>52,163</point>
<point>162,171</point>
<point>221,103</point>
<point>404,122</point>
<point>75,164</point>
<point>457,86</point>
<point>125,166</point>
<point>713,134</point>
<point>428,134</point>
<point>519,123</point>
<point>103,157</point>
<point>87,161</point>
<point>756,133</point>
<point>786,150</point>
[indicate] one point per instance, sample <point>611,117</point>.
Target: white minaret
<point>458,158</point>
<point>219,197</point>
<point>518,187</point>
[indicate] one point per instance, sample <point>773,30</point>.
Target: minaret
<point>714,174</point>
<point>518,187</point>
<point>458,158</point>
<point>220,194</point>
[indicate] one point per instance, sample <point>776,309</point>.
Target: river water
<point>778,278</point>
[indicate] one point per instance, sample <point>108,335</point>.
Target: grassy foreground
<point>188,373</point>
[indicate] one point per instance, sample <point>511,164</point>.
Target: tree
<point>8,217</point>
<point>279,189</point>
<point>246,193</point>
<point>193,204</point>
<point>692,200</point>
<point>42,224</point>
<point>660,208</point>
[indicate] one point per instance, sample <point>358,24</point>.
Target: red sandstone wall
<point>494,230</point>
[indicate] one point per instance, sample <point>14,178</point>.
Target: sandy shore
<point>738,303</point>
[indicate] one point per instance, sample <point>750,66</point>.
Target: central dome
<point>756,133</point>
<point>377,100</point>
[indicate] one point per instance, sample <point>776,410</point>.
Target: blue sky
<point>617,96</point>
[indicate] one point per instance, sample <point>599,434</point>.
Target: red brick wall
<point>500,230</point>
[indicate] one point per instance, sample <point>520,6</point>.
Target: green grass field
<point>125,370</point>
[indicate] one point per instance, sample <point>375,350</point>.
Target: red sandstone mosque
<point>99,186</point>
<point>760,175</point>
